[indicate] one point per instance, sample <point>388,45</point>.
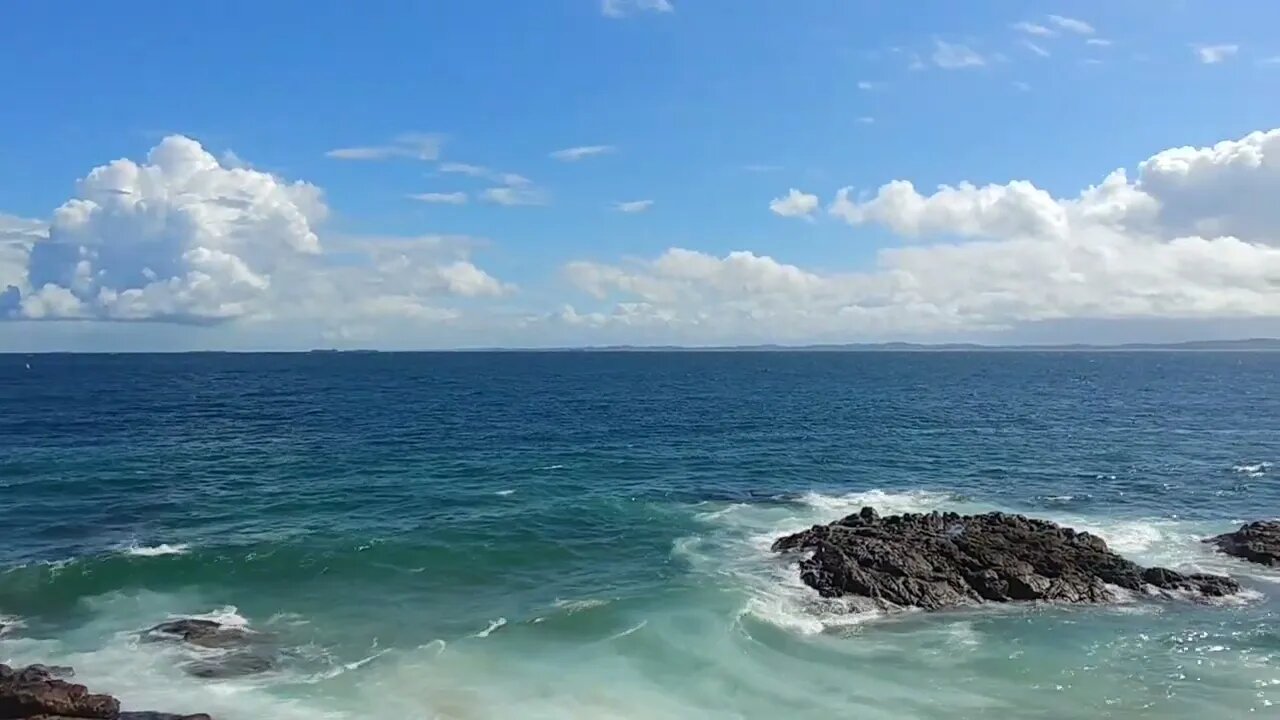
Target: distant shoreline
<point>1248,345</point>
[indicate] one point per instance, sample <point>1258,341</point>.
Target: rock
<point>205,633</point>
<point>231,665</point>
<point>246,652</point>
<point>941,560</point>
<point>1256,542</point>
<point>32,692</point>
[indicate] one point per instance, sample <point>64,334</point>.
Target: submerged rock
<point>940,560</point>
<point>246,652</point>
<point>1256,542</point>
<point>33,693</point>
<point>205,633</point>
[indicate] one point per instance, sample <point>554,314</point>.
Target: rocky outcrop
<point>1257,542</point>
<point>941,560</point>
<point>244,651</point>
<point>36,693</point>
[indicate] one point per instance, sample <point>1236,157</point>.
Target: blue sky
<point>704,112</point>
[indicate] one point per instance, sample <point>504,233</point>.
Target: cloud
<point>794,204</point>
<point>575,154</point>
<point>439,198</point>
<point>1079,27</point>
<point>868,85</point>
<point>1191,237</point>
<point>623,8</point>
<point>464,169</point>
<point>182,238</point>
<point>1031,28</point>
<point>866,120</point>
<point>1098,42</point>
<point>514,196</point>
<point>965,210</point>
<point>1022,86</point>
<point>633,206</point>
<point>950,56</point>
<point>1035,48</point>
<point>416,146</point>
<point>1214,54</point>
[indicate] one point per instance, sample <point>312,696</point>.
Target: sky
<point>450,174</point>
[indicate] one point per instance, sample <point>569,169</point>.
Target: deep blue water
<point>608,514</point>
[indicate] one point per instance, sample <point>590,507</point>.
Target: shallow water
<point>586,535</point>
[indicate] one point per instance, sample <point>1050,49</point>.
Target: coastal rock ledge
<point>35,693</point>
<point>941,560</point>
<point>1256,542</point>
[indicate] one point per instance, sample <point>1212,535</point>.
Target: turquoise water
<point>585,535</point>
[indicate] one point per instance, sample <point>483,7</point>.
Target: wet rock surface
<point>1257,542</point>
<point>940,560</point>
<point>36,692</point>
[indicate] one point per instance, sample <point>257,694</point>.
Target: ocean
<point>586,535</point>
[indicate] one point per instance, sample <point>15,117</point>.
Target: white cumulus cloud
<point>1191,235</point>
<point>794,204</point>
<point>181,237</point>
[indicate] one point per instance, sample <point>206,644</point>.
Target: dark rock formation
<point>246,652</point>
<point>1256,542</point>
<point>205,633</point>
<point>34,693</point>
<point>943,560</point>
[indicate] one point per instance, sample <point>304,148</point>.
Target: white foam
<point>228,616</point>
<point>628,631</point>
<point>493,625</point>
<point>1252,470</point>
<point>550,467</point>
<point>886,503</point>
<point>573,606</point>
<point>157,550</point>
<point>10,623</point>
<point>504,493</point>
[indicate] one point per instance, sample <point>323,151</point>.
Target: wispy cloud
<point>1098,42</point>
<point>1035,48</point>
<point>867,120</point>
<point>438,198</point>
<point>575,154</point>
<point>1021,86</point>
<point>416,146</point>
<point>1214,54</point>
<point>952,56</point>
<point>514,196</point>
<point>1079,27</point>
<point>1031,28</point>
<point>633,206</point>
<point>623,8</point>
<point>1273,60</point>
<point>869,85</point>
<point>464,169</point>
